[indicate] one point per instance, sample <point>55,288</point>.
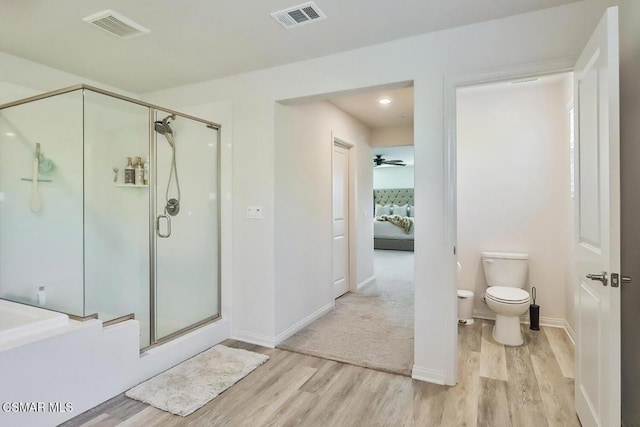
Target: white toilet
<point>506,276</point>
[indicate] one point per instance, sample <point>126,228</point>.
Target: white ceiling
<point>364,106</point>
<point>404,153</point>
<point>196,40</point>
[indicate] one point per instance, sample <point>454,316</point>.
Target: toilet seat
<point>507,295</point>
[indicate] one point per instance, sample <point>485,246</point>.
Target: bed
<point>385,234</point>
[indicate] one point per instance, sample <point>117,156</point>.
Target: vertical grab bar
<point>158,232</point>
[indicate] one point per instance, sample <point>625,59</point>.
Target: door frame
<point>451,84</point>
<point>351,209</point>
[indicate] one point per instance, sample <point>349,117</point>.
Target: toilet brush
<point>534,313</point>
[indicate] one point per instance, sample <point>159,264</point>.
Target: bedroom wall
<point>506,43</point>
<point>303,214</point>
<point>393,177</point>
<point>514,186</point>
<point>392,136</point>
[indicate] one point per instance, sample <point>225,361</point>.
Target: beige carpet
<point>372,328</point>
<point>190,385</point>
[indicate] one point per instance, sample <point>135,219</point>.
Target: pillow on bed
<point>400,210</point>
<point>383,210</point>
<point>411,211</point>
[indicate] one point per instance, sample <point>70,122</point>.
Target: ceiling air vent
<point>299,15</point>
<point>116,24</point>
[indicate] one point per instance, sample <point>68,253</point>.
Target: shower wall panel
<point>42,247</point>
<point>187,262</point>
<point>82,241</point>
<point>116,217</point>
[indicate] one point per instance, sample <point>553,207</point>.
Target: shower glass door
<point>185,172</point>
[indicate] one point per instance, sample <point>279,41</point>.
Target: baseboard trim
<point>570,332</point>
<point>365,282</point>
<point>305,322</point>
<point>251,338</point>
<point>428,375</point>
<point>553,322</point>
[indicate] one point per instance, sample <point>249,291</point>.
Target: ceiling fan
<point>379,161</point>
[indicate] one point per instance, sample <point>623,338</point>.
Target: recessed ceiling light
<point>385,100</point>
<point>10,134</point>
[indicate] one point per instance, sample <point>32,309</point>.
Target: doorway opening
<point>514,167</point>
<point>372,287</point>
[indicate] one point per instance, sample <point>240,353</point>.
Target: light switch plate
<point>254,212</point>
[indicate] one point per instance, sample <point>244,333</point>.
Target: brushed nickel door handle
<point>599,277</point>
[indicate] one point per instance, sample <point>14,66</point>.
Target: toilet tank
<point>505,269</point>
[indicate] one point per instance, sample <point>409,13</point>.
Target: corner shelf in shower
<point>132,185</point>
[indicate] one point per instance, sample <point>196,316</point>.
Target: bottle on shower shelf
<point>139,171</point>
<point>129,172</point>
<point>145,177</point>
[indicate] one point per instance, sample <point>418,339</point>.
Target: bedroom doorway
<point>370,320</point>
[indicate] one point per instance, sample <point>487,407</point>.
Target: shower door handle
<point>158,232</point>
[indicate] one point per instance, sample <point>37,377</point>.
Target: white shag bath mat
<point>190,385</point>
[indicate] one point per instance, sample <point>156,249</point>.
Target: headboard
<point>393,196</point>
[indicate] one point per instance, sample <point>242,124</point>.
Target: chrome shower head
<point>162,126</point>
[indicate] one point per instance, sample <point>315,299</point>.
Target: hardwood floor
<point>531,385</point>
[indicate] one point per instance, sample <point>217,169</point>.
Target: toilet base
<point>507,330</point>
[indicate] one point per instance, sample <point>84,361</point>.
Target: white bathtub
<point>19,320</point>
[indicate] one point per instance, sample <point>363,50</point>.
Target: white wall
<point>425,59</point>
<point>513,186</point>
<point>303,214</point>
<point>21,78</point>
<point>392,136</point>
<point>630,153</point>
<point>393,177</point>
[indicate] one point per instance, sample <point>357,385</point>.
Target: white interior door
<point>597,242</point>
<point>340,220</point>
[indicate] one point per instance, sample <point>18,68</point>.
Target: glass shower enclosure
<point>84,233</point>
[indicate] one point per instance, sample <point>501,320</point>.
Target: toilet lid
<point>507,295</point>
